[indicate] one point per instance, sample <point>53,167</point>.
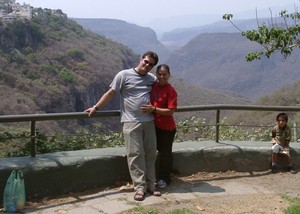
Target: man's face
<point>146,64</point>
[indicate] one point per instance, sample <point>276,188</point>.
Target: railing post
<point>295,132</point>
<point>32,139</point>
<point>217,125</point>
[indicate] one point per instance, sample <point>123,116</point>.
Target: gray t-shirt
<point>135,91</point>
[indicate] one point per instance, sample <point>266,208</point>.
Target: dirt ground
<point>269,200</point>
<point>282,183</point>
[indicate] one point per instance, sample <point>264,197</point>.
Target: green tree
<point>76,54</point>
<point>282,37</point>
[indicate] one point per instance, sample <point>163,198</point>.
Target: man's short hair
<point>151,54</point>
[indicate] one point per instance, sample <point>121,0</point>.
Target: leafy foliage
<point>193,129</point>
<point>198,129</point>
<point>20,34</point>
<point>13,145</point>
<point>66,75</point>
<point>19,144</point>
<point>76,54</point>
<point>51,64</point>
<point>277,37</point>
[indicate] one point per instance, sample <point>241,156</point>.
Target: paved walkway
<point>120,200</point>
<point>198,157</point>
<point>55,174</point>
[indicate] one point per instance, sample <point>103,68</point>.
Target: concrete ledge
<point>54,174</point>
<point>192,157</point>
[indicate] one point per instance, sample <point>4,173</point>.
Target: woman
<point>163,105</point>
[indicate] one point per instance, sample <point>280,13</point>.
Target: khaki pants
<point>140,142</point>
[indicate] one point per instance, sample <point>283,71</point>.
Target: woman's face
<point>162,76</point>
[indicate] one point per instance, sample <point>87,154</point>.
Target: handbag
<point>14,192</point>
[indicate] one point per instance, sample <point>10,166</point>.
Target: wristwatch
<point>95,107</point>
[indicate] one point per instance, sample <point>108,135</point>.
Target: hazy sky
<point>142,12</point>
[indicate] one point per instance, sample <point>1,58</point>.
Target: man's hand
<point>91,111</point>
<point>147,108</point>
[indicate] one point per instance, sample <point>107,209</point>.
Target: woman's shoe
<point>161,184</point>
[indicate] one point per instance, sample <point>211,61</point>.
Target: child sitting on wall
<point>281,137</point>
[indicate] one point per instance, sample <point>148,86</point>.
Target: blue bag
<point>14,192</point>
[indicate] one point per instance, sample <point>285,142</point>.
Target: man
<point>134,86</point>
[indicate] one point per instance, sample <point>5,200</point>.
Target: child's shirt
<point>282,135</point>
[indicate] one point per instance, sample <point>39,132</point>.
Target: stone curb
<point>50,175</point>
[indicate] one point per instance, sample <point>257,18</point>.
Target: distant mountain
<point>181,36</point>
<point>283,96</point>
<point>217,61</point>
<point>166,24</point>
<point>139,39</point>
<point>50,64</point>
<point>162,25</point>
<point>189,95</point>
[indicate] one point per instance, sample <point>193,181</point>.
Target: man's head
<point>282,119</point>
<point>152,55</point>
<point>147,62</point>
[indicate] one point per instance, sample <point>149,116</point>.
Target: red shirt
<point>164,97</point>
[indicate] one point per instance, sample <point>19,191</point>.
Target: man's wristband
<point>95,107</point>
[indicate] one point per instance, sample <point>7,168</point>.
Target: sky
<point>141,12</point>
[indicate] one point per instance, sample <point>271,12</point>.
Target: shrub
<point>30,75</point>
<point>49,68</point>
<point>76,54</point>
<point>66,75</point>
<point>15,145</point>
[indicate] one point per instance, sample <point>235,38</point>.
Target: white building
<point>18,11</point>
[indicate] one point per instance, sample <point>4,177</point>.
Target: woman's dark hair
<point>282,115</point>
<point>164,66</point>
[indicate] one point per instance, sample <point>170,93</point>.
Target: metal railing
<point>116,113</point>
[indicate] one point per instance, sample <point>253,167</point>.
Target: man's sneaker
<point>161,184</point>
<point>274,169</point>
<point>292,169</point>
